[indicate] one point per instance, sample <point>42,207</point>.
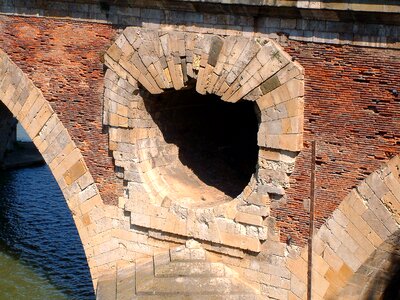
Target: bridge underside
<point>146,170</point>
<point>7,131</point>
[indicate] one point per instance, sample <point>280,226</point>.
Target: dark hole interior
<point>217,140</point>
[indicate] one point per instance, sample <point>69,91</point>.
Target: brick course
<point>353,112</point>
<point>63,59</point>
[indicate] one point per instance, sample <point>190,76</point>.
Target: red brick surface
<point>350,108</point>
<point>353,114</point>
<point>63,58</point>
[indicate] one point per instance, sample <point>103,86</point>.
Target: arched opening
<point>215,151</point>
<point>22,100</point>
<point>41,255</point>
<point>184,156</point>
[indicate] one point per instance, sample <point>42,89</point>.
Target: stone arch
<point>232,68</point>
<point>364,224</point>
<point>34,112</point>
<point>378,277</point>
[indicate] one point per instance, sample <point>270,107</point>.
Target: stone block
<point>259,200</point>
<point>377,185</point>
<point>318,245</point>
<point>35,108</point>
<point>320,285</point>
<point>269,85</point>
<point>393,205</point>
<point>243,242</point>
<point>126,282</point>
<point>8,98</point>
<point>393,185</point>
<point>320,265</point>
<point>40,120</point>
<point>297,287</point>
<point>365,228</point>
<point>327,236</point>
<point>58,145</point>
<point>270,154</point>
<point>265,102</point>
<point>340,218</point>
<point>298,268</point>
<point>61,155</point>
<point>364,190</point>
<point>340,233</point>
<point>31,99</point>
<point>114,52</point>
<point>106,288</point>
<point>117,68</point>
<point>140,219</point>
<point>291,142</point>
<point>180,254</point>
<point>292,125</point>
<point>87,193</point>
<point>250,219</point>
<point>275,270</point>
<point>371,219</point>
<point>85,180</point>
<point>349,258</point>
<point>383,214</point>
<point>360,238</point>
<point>330,257</point>
<point>270,189</point>
<point>394,165</point>
<point>126,68</point>
<point>75,172</point>
<point>215,49</point>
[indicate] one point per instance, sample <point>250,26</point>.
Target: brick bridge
<point>179,132</point>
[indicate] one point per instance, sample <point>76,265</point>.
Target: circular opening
<point>216,144</point>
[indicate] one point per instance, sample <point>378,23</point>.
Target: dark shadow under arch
<point>217,140</point>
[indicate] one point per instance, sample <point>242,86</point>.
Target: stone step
<point>126,284</point>
<point>107,288</point>
<point>200,297</point>
<point>192,286</point>
<point>186,272</point>
<point>191,269</point>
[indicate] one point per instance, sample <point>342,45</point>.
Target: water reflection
<point>37,230</point>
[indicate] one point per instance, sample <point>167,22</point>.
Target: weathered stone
<point>270,84</point>
<point>215,49</point>
<point>246,218</point>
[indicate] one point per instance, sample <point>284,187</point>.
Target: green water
<point>21,282</point>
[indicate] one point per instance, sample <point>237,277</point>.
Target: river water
<point>41,256</point>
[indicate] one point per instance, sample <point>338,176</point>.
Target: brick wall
<point>63,59</point>
<point>353,112</point>
<point>351,108</point>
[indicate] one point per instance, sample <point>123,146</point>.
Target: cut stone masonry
<point>233,68</point>
<point>367,221</point>
<point>352,104</point>
<point>360,232</point>
<point>185,272</point>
